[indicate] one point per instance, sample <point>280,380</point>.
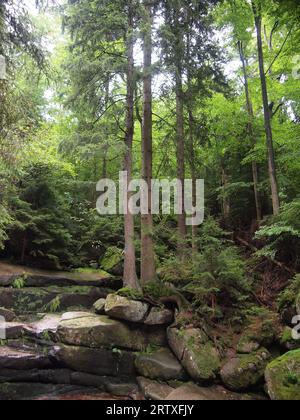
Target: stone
<point>196,353</point>
<point>125,309</point>
<point>99,306</point>
<point>192,392</point>
<point>283,377</point>
<point>96,331</point>
<point>42,328</point>
<point>287,341</point>
<point>7,314</point>
<point>113,261</point>
<point>153,390</point>
<point>14,330</point>
<point>19,359</point>
<point>245,371</point>
<point>160,364</point>
<point>30,391</point>
<point>100,362</point>
<point>160,316</point>
<point>121,389</point>
<point>42,278</point>
<point>49,299</point>
<point>50,376</point>
<point>247,345</point>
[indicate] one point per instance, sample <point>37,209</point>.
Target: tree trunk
<point>251,134</point>
<point>180,145</point>
<point>148,272</point>
<point>225,202</point>
<point>267,113</point>
<point>129,276</point>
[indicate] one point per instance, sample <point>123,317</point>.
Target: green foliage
<point>19,283</point>
<point>288,298</point>
<point>282,234</point>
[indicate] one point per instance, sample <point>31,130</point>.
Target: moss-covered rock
<point>126,309</point>
<point>160,316</point>
<point>113,260</point>
<point>196,352</point>
<point>287,341</point>
<point>160,364</point>
<point>283,377</point>
<point>261,331</point>
<point>99,306</point>
<point>95,331</point>
<point>245,370</point>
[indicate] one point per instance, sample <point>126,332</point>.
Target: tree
<point>148,272</point>
<point>257,10</point>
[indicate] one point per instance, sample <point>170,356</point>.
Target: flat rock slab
<point>42,278</point>
<point>30,391</point>
<point>161,364</point>
<point>41,329</point>
<point>192,392</point>
<point>153,390</point>
<point>49,299</point>
<point>96,331</point>
<point>100,362</point>
<point>11,358</point>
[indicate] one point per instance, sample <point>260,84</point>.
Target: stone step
<point>40,391</point>
<point>23,359</point>
<point>13,275</point>
<point>50,299</point>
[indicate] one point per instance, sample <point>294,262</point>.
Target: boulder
<point>283,377</point>
<point>97,331</point>
<point>7,314</point>
<point>99,306</point>
<point>153,390</point>
<point>160,364</point>
<point>287,341</point>
<point>44,327</point>
<point>14,330</point>
<point>18,359</point>
<point>125,309</point>
<point>192,392</point>
<point>113,261</point>
<point>196,353</point>
<point>160,316</point>
<point>47,376</point>
<point>101,362</point>
<point>245,370</point>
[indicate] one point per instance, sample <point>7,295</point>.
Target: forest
<point>160,90</point>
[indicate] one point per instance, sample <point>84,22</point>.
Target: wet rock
<point>245,371</point>
<point>99,306</point>
<point>97,331</point>
<point>11,358</point>
<point>192,392</point>
<point>29,391</point>
<point>283,377</point>
<point>125,309</point>
<point>48,376</point>
<point>100,362</point>
<point>42,328</point>
<point>160,316</point>
<point>160,364</point>
<point>153,390</point>
<point>196,353</point>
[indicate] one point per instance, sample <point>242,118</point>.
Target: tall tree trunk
<point>130,278</point>
<point>251,134</point>
<point>148,272</point>
<point>267,113</point>
<point>180,145</point>
<point>193,175</point>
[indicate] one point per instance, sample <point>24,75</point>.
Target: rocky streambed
<point>71,337</point>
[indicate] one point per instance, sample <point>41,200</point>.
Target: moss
<point>130,293</point>
<point>283,377</point>
<point>112,258</point>
<point>207,361</point>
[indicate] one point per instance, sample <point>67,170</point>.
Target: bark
<point>251,134</point>
<point>130,278</point>
<point>267,113</point>
<point>148,272</point>
<point>180,144</point>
